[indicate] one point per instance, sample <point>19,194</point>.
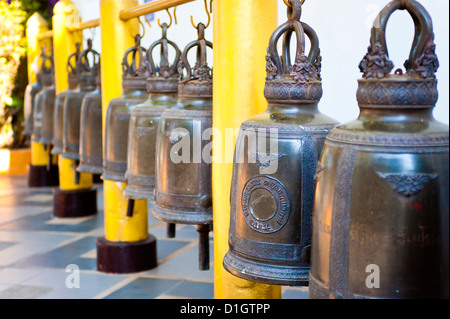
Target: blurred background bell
<point>58,120</point>
<point>87,71</point>
<point>91,141</point>
<point>44,104</point>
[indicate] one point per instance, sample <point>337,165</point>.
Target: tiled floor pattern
<point>36,248</point>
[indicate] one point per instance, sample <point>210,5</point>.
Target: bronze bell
<point>46,97</point>
<point>162,86</point>
<point>272,190</point>
<point>30,93</point>
<point>58,119</point>
<point>87,81</point>
<point>380,223</point>
<point>118,115</point>
<point>183,191</point>
<point>91,145</point>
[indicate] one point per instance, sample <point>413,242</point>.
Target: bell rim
<point>56,150</point>
<point>138,194</point>
<point>239,267</point>
<point>90,169</point>
<point>180,217</point>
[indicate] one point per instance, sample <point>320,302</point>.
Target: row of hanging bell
<point>183,192</point>
<point>162,87</point>
<point>272,192</point>
<point>380,224</point>
<point>43,106</point>
<point>87,69</point>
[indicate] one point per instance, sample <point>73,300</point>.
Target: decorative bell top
<point>197,81</point>
<point>46,75</point>
<point>301,82</point>
<point>135,76</point>
<point>417,88</point>
<point>87,74</point>
<point>72,67</point>
<point>163,78</point>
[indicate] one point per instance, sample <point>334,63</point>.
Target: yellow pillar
<point>117,37</point>
<point>242,29</point>
<point>36,25</point>
<point>65,14</point>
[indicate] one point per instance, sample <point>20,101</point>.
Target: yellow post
<point>65,15</point>
<point>127,245</point>
<point>36,25</point>
<point>38,174</point>
<point>242,29</point>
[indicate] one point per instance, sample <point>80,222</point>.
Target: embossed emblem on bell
<point>135,73</point>
<point>381,203</point>
<point>45,99</point>
<point>162,86</point>
<point>91,141</point>
<point>183,193</point>
<point>58,119</point>
<point>272,189</point>
<point>88,67</point>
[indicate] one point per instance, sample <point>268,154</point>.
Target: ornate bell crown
<point>164,77</point>
<point>72,66</point>
<point>417,88</point>
<point>135,75</point>
<point>46,74</point>
<point>300,82</point>
<point>197,81</point>
<point>87,74</point>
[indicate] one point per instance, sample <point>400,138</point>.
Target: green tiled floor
<point>36,248</point>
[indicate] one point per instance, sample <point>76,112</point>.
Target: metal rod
<point>45,35</point>
<point>171,229</point>
<point>130,207</point>
<point>86,25</point>
<point>150,7</point>
<point>203,246</point>
<point>77,173</point>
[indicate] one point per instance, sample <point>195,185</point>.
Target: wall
<point>343,28</point>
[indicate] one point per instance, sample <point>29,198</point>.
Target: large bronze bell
<point>87,72</point>
<point>276,153</point>
<point>119,111</point>
<point>45,97</point>
<point>380,223</point>
<point>183,191</point>
<point>91,145</point>
<point>58,119</point>
<point>162,86</point>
